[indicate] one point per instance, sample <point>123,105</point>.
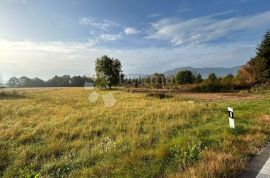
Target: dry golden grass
<point>59,133</point>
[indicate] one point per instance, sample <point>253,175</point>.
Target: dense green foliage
<point>184,77</point>
<point>212,78</point>
<point>198,79</point>
<point>108,72</point>
<point>214,84</point>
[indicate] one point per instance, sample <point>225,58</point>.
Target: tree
<point>198,78</point>
<point>108,71</point>
<point>257,69</point>
<point>227,82</point>
<point>1,81</point>
<point>184,77</point>
<point>65,80</point>
<point>263,49</point>
<point>13,82</point>
<point>37,82</point>
<point>79,81</point>
<point>25,82</point>
<point>59,81</point>
<point>157,80</point>
<point>212,78</point>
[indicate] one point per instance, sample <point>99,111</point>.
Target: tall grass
<point>60,133</point>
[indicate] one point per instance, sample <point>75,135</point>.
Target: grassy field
<point>59,133</point>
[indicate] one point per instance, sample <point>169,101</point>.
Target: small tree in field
<point>184,77</point>
<point>108,71</point>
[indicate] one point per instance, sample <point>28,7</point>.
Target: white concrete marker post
<point>231,120</point>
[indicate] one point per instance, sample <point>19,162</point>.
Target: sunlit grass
<point>60,133</point>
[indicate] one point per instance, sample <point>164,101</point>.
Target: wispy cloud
<point>204,29</point>
<point>103,38</point>
<point>98,24</point>
<point>131,31</point>
<point>154,15</point>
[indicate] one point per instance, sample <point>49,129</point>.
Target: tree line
<point>56,81</point>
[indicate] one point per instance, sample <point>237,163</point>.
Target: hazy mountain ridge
<point>205,71</point>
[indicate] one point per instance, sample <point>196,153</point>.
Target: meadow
<point>60,133</point>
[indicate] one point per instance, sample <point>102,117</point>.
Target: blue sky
<point>44,38</point>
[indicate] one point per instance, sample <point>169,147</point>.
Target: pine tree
<point>257,70</point>
<point>263,49</point>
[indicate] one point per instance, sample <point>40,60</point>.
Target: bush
<point>245,92</point>
<point>206,87</point>
<point>212,87</point>
<point>258,88</point>
<point>159,95</point>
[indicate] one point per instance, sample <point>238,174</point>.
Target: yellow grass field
<point>60,133</point>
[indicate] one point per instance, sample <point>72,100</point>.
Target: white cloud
<point>98,24</point>
<point>154,15</point>
<point>103,38</point>
<point>131,31</point>
<point>204,29</point>
<point>101,32</point>
<point>46,59</point>
<point>109,37</point>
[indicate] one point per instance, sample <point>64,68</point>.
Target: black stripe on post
<point>230,114</point>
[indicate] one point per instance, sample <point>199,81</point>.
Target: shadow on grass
<point>11,95</point>
<point>239,130</point>
<point>159,95</point>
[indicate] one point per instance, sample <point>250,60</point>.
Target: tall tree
<point>263,49</point>
<point>198,78</point>
<point>184,77</point>
<point>108,71</point>
<point>212,78</point>
<point>257,70</point>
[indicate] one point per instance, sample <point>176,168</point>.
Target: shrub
<point>245,92</point>
<point>217,86</point>
<point>206,87</point>
<point>159,95</point>
<point>258,88</point>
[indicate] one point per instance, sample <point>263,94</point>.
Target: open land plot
<point>59,133</point>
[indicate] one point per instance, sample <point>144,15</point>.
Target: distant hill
<point>205,71</point>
